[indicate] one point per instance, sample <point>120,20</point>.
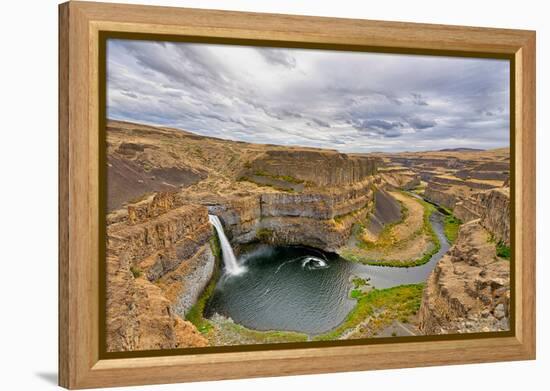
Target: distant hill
<point>461,150</point>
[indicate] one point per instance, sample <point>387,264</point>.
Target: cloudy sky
<point>353,102</point>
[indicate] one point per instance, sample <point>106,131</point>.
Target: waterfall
<point>229,260</point>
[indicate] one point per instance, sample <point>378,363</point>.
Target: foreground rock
<point>139,317</point>
<point>469,289</point>
<point>159,261</point>
<point>163,184</point>
<point>492,207</point>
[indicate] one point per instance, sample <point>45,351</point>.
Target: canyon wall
<point>316,218</point>
<point>159,261</point>
<point>400,178</point>
<point>469,289</point>
<point>492,207</point>
<point>159,250</point>
<point>320,167</point>
<point>139,317</point>
<point>439,195</point>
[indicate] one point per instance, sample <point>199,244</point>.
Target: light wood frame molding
<point>80,24</point>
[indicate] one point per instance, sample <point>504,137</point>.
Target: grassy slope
<point>451,225</point>
<point>382,306</point>
<point>426,228</point>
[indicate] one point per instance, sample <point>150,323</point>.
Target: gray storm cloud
<point>350,101</point>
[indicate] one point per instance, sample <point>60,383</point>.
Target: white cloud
<point>350,101</point>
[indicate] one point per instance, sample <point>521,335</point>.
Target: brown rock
<point>470,281</point>
<point>139,317</point>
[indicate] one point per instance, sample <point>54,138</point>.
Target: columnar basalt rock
<point>469,289</point>
<point>402,178</point>
<point>159,258</point>
<point>159,204</point>
<point>496,218</point>
<point>439,195</point>
<point>322,168</point>
<point>492,207</point>
<point>305,219</point>
<point>139,317</point>
<point>158,242</point>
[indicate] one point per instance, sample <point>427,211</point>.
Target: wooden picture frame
<point>81,25</point>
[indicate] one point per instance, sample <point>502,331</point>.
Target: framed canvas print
<point>249,195</point>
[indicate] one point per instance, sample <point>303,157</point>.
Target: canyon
<point>164,257</point>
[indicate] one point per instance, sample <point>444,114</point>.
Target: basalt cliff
<point>161,249</point>
<point>469,289</point>
<point>162,252</point>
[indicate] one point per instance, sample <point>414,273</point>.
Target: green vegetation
<point>279,188</point>
<point>385,238</point>
<point>264,234</point>
<point>359,282</point>
<point>195,313</point>
<point>360,287</point>
<point>426,228</point>
<point>355,293</point>
<point>451,224</point>
<point>236,334</point>
<point>339,219</point>
<point>503,250</point>
<point>286,178</point>
<point>383,306</point>
<point>136,271</point>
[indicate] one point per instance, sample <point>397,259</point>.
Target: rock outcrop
<point>400,178</point>
<point>139,317</point>
<point>492,207</point>
<point>439,195</point>
<point>313,218</point>
<point>159,261</point>
<point>386,211</point>
<point>163,183</point>
<point>453,176</point>
<point>168,181</point>
<point>469,289</point>
<point>319,167</point>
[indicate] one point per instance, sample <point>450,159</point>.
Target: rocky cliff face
<point>400,178</point>
<point>322,168</point>
<point>453,176</point>
<point>314,218</point>
<point>439,194</point>
<point>139,317</point>
<point>159,261</point>
<point>158,242</point>
<point>469,289</point>
<point>492,207</point>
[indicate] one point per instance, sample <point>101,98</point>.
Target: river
<point>304,289</point>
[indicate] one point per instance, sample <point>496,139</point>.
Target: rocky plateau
<point>161,249</point>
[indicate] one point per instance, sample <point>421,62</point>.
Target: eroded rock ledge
<point>319,219</point>
<point>492,207</point>
<point>469,289</point>
<point>160,259</point>
<point>158,262</point>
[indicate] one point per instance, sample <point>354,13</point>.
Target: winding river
<point>304,289</point>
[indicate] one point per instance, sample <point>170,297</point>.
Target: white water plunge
<point>229,259</point>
